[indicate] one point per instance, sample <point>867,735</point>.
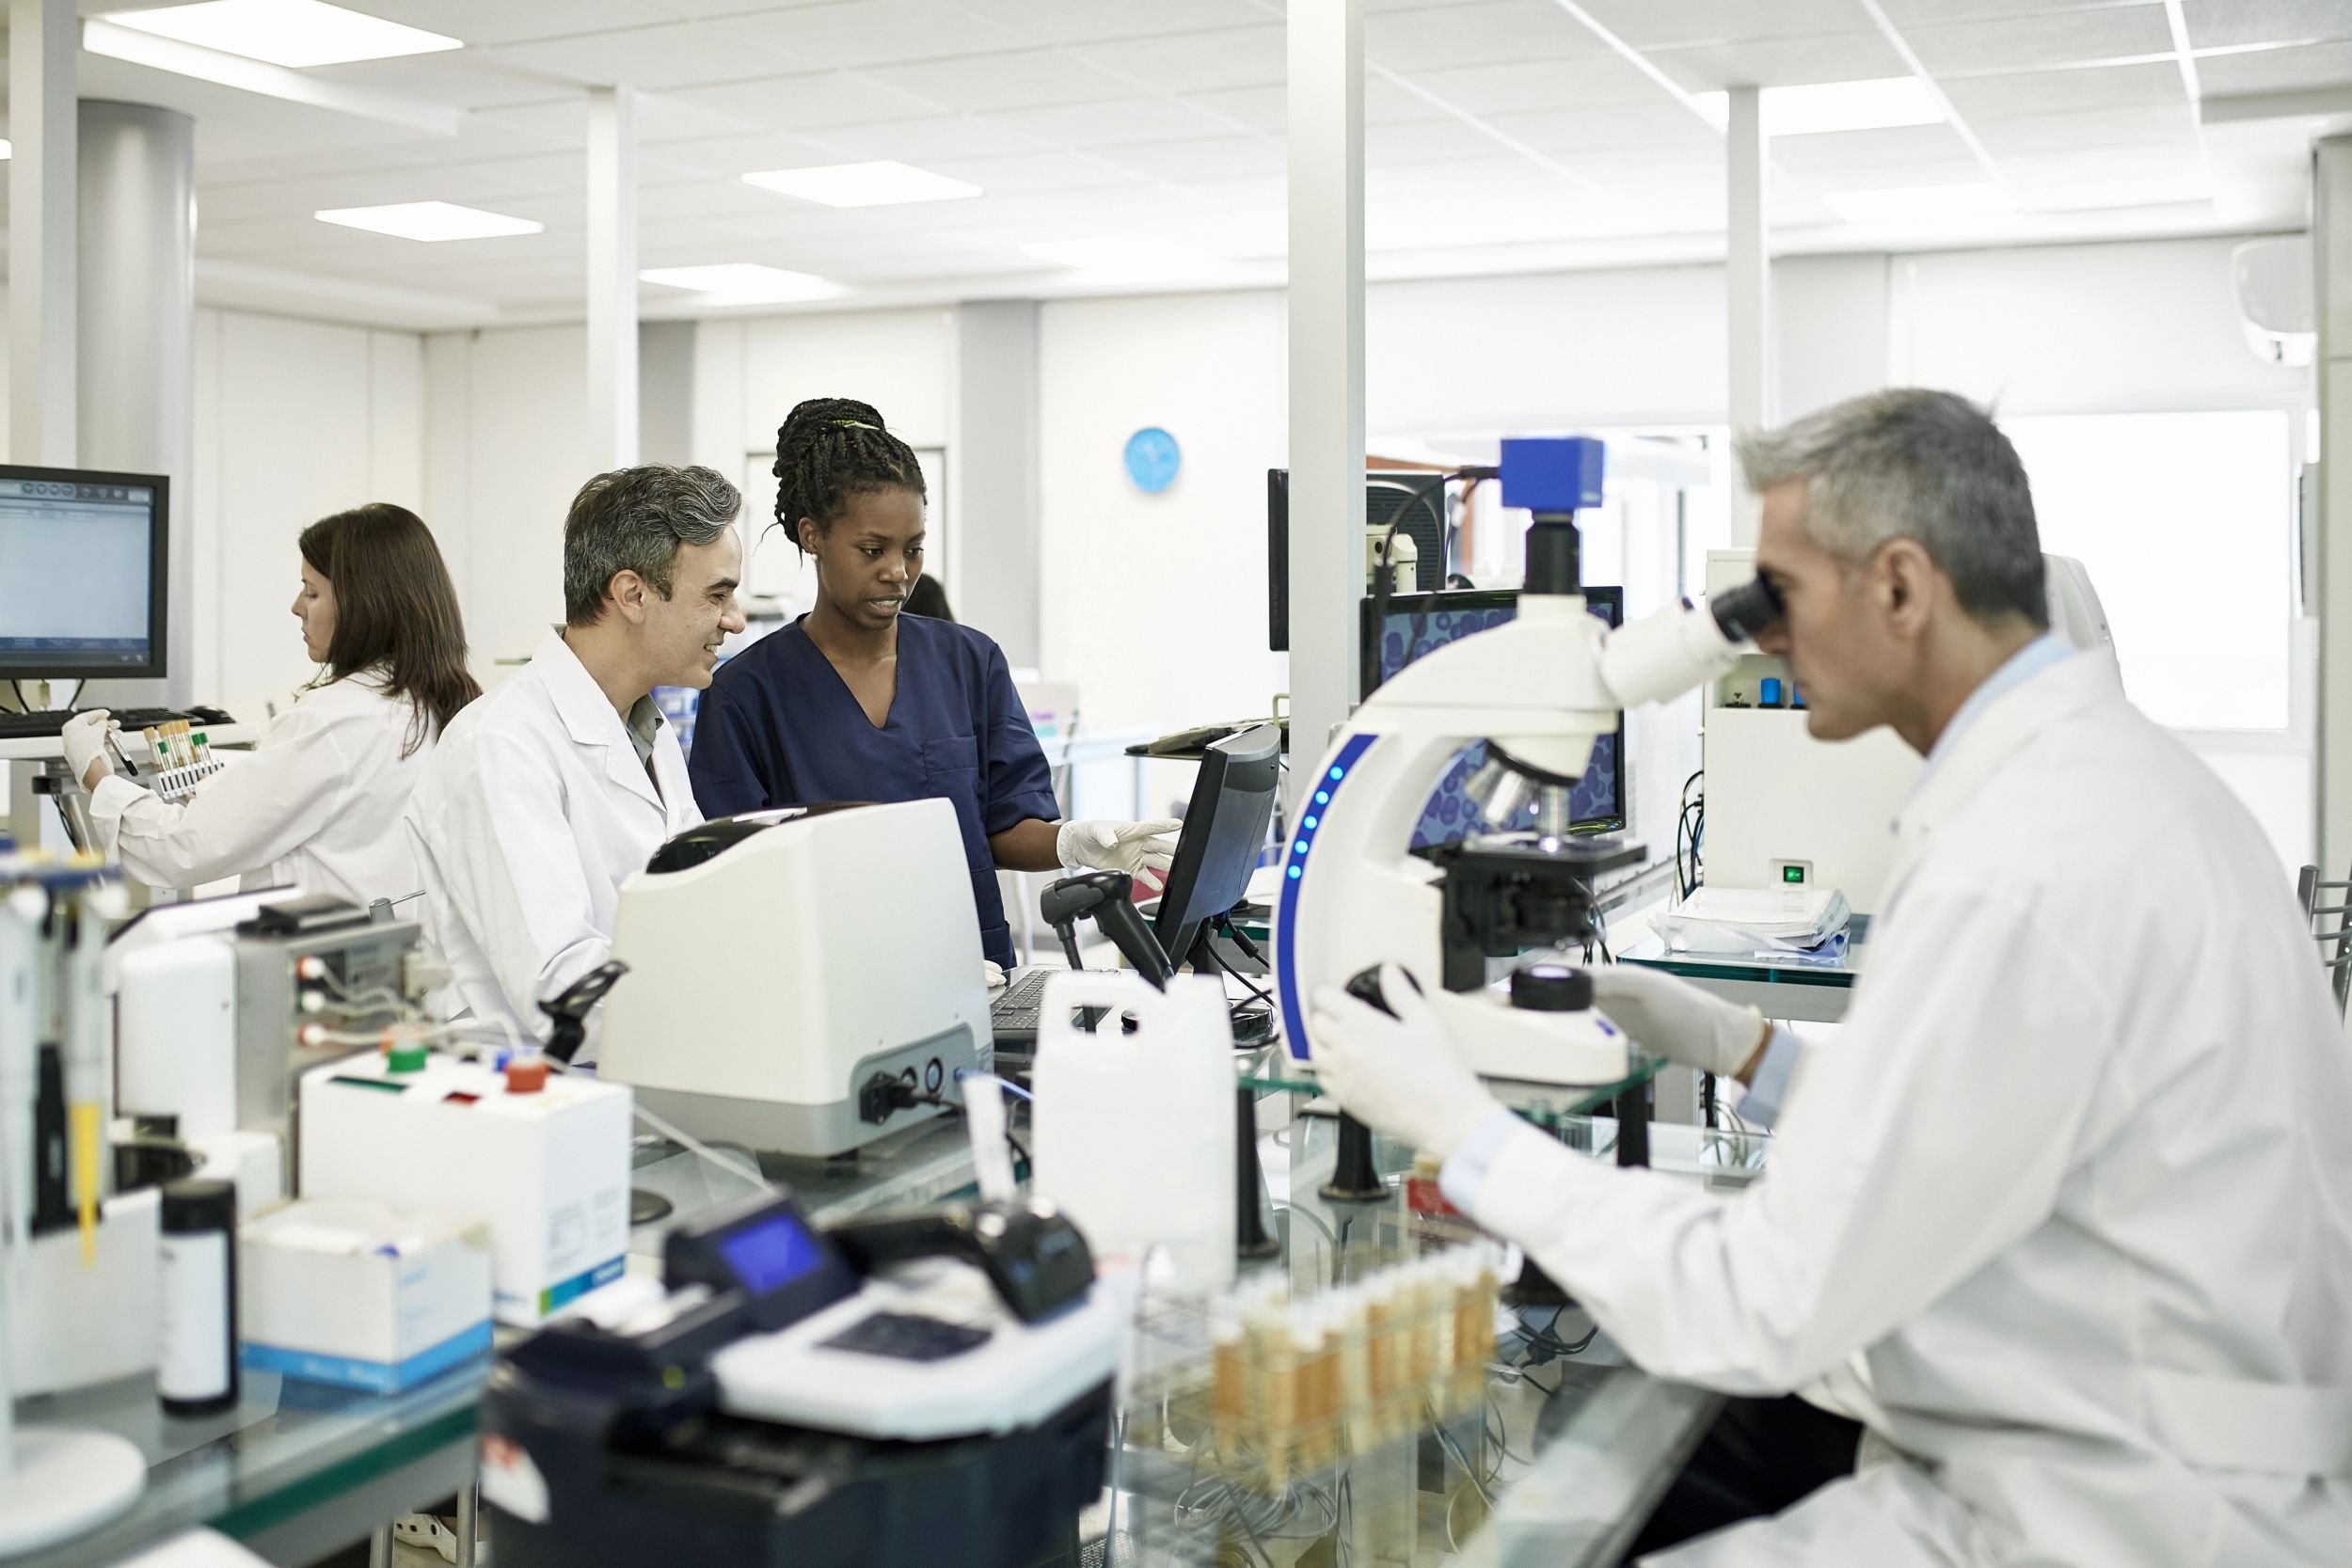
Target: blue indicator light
<point>1300,846</point>
<point>1338,773</point>
<point>1323,796</point>
<point>1309,822</point>
<point>1293,873</point>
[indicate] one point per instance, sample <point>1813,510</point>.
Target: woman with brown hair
<point>318,803</point>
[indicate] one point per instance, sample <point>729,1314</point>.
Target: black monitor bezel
<point>157,664</point>
<point>1175,934</point>
<point>1368,658</point>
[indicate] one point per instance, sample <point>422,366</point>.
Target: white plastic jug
<point>1134,1131</point>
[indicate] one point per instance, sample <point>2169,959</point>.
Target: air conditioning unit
<point>2275,298</point>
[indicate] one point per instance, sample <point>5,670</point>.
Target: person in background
<point>926,597</point>
<point>555,788</point>
<point>856,701</point>
<point>317,805</point>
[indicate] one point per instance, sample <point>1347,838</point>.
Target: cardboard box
<point>549,1169</point>
<point>361,1295</point>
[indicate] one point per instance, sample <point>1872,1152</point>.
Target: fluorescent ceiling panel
<point>1828,106</point>
<point>887,183</point>
<point>292,33</point>
<point>429,220</point>
<point>1906,205</point>
<point>743,283</point>
<point>8,149</point>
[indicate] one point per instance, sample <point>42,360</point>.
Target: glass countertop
<point>1790,969</point>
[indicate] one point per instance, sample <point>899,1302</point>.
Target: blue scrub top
<point>779,727</point>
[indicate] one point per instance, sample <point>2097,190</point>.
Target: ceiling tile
<point>1490,34</point>
<point>1037,171</point>
<point>1907,14</point>
<point>2033,43</point>
<point>1634,125</point>
<point>1980,99</point>
<point>1220,61</point>
<point>870,32</point>
<point>513,21</point>
<point>2215,23</point>
<point>2275,70</point>
<point>1480,177</point>
<point>1662,24</point>
<point>921,141</point>
<point>1528,87</point>
<point>2104,128</point>
<point>740,153</point>
<point>674,54</point>
<point>1785,62</point>
<point>806,103</point>
<point>465,79</point>
<point>1115,124</point>
<point>1022,79</point>
<point>661,116</point>
<point>1386,102</point>
<point>1213,158</point>
<point>1862,150</point>
<point>1087,20</point>
<point>1425,141</point>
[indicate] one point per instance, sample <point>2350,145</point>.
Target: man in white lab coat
<point>2063,1216</point>
<point>548,793</point>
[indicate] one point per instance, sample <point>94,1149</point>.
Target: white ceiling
<point>1501,136</point>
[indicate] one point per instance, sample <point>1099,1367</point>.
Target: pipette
<point>86,1051</point>
<point>21,913</point>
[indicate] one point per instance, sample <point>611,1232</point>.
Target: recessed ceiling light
<point>429,220</point>
<point>1123,255</point>
<point>8,150</point>
<point>285,32</point>
<point>744,284</point>
<point>1826,107</point>
<point>1918,204</point>
<point>881,184</point>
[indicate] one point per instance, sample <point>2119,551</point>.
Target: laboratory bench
<point>1789,986</point>
<point>1579,1456</point>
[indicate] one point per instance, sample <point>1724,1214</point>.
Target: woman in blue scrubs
<point>859,701</point>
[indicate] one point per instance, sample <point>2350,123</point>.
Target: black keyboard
<point>50,721</point>
<point>1012,1017</point>
<point>904,1336</point>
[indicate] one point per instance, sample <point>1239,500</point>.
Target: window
<point>2187,524</point>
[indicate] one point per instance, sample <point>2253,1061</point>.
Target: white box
<point>361,1295</point>
<point>548,1170</point>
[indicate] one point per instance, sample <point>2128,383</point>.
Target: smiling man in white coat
<point>548,793</point>
<point>2063,1214</point>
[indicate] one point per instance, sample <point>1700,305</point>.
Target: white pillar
<point>1747,283</point>
<point>1326,370</point>
<point>136,283</point>
<point>2331,222</point>
<point>611,277</point>
<point>44,38</point>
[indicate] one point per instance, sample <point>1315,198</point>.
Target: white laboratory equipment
<point>802,980</point>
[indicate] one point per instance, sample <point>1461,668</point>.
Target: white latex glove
<point>1134,847</point>
<point>1676,1018</point>
<point>1398,1075</point>
<point>994,975</point>
<point>85,737</point>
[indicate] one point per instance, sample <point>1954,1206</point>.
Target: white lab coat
<point>2064,1212</point>
<point>316,805</point>
<point>535,810</point>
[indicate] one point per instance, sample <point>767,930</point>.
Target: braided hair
<point>829,449</point>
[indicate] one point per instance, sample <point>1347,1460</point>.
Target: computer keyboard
<point>1012,1017</point>
<point>49,721</point>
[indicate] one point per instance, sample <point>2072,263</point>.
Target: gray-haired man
<point>548,793</point>
<point>2062,1218</point>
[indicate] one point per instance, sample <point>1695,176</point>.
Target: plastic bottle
<point>196,1360</point>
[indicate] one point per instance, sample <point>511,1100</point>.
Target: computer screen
<point>1387,492</point>
<point>1225,828</point>
<point>1416,624</point>
<point>82,573</point>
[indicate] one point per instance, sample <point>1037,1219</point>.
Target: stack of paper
<point>1748,920</point>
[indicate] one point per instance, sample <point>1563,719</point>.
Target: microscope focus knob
<point>1551,988</point>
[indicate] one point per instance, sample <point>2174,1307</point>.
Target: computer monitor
<point>1387,492</point>
<point>83,570</point>
<point>1418,622</point>
<point>1224,831</point>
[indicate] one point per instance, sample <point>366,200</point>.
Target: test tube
<point>155,757</point>
<point>203,750</point>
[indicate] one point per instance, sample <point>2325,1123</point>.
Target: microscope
<point>1537,690</point>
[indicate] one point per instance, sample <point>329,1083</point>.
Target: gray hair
<point>1911,464</point>
<point>634,520</point>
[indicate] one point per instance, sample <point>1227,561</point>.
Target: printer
<point>898,1390</point>
<point>801,980</point>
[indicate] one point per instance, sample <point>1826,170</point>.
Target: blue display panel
<point>770,1256</point>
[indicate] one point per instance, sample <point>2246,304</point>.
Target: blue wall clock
<point>1152,459</point>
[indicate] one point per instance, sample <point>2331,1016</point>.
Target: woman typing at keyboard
<point>859,701</point>
<point>317,805</point>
